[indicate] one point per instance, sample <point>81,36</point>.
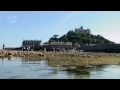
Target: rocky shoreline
<point>67,60</point>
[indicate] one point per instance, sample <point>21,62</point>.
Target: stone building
<point>33,44</point>
<point>37,45</point>
<point>82,30</point>
<point>58,45</point>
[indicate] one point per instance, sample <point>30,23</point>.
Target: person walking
<point>3,48</point>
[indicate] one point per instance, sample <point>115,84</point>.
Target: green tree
<point>81,37</point>
<point>54,38</point>
<point>63,38</point>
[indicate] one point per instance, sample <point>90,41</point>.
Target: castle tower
<point>81,27</point>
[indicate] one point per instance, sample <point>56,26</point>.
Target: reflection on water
<point>21,68</point>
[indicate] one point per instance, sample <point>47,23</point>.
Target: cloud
<point>67,17</point>
<point>12,19</point>
<point>60,26</point>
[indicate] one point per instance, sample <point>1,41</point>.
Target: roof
<point>61,43</point>
<point>32,40</point>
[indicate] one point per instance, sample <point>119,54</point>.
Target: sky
<point>16,26</point>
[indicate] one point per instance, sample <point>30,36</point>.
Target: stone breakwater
<point>112,48</point>
<point>69,60</point>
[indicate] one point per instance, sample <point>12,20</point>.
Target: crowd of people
<point>28,48</point>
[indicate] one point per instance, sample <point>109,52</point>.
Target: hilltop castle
<point>82,30</point>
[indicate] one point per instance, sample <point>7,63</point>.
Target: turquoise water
<point>18,68</point>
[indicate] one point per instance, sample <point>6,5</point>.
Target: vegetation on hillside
<point>81,38</point>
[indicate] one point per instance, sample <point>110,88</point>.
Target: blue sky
<point>18,25</point>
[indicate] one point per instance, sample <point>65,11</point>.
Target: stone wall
<point>13,48</point>
<point>50,47</point>
<point>103,48</point>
